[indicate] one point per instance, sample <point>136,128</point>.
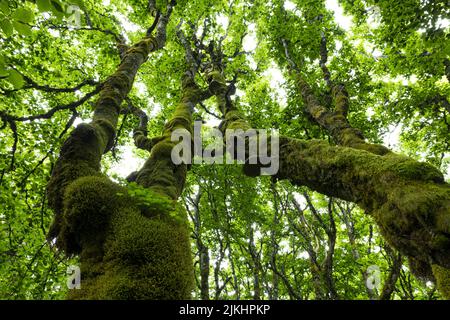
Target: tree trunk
<point>129,248</point>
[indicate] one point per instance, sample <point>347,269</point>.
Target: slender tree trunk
<point>347,218</point>
<point>328,263</point>
<point>274,292</point>
<point>256,266</point>
<point>203,251</point>
<point>204,270</point>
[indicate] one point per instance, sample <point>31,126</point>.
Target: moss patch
<point>89,203</point>
<point>144,258</point>
<point>442,276</point>
<point>408,199</point>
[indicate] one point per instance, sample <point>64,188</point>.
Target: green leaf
<point>23,14</point>
<point>7,27</point>
<point>3,73</point>
<point>16,79</point>
<point>57,7</point>
<point>22,28</point>
<point>44,5</point>
<point>4,7</point>
<point>76,2</point>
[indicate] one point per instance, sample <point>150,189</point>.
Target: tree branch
<point>324,59</point>
<point>334,122</point>
<point>51,112</point>
<point>161,26</point>
<point>31,84</point>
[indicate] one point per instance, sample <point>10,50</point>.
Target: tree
<point>132,237</point>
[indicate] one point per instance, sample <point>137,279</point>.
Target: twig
<point>191,61</point>
<point>291,62</point>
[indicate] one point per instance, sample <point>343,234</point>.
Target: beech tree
<point>83,83</point>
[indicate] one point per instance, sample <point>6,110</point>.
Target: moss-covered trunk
<point>409,200</point>
<point>127,249</point>
<point>145,253</point>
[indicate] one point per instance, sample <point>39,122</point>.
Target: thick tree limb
<point>324,59</point>
<point>161,26</point>
<point>335,123</point>
<point>160,163</point>
<point>409,200</point>
<point>191,61</point>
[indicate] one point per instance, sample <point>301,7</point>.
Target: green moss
<point>408,200</point>
<point>163,149</point>
<point>109,101</point>
<point>150,202</point>
<point>162,176</point>
<point>372,148</point>
<point>341,100</point>
<point>442,276</point>
<point>144,258</point>
<point>143,142</point>
<point>63,174</point>
<point>216,81</point>
<point>143,47</point>
<point>420,269</point>
<point>89,203</point>
<point>136,238</point>
<point>234,121</point>
<point>156,251</point>
<point>181,120</point>
<point>415,170</point>
<point>159,173</point>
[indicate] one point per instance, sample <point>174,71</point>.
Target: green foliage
<point>391,59</point>
<point>150,201</point>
